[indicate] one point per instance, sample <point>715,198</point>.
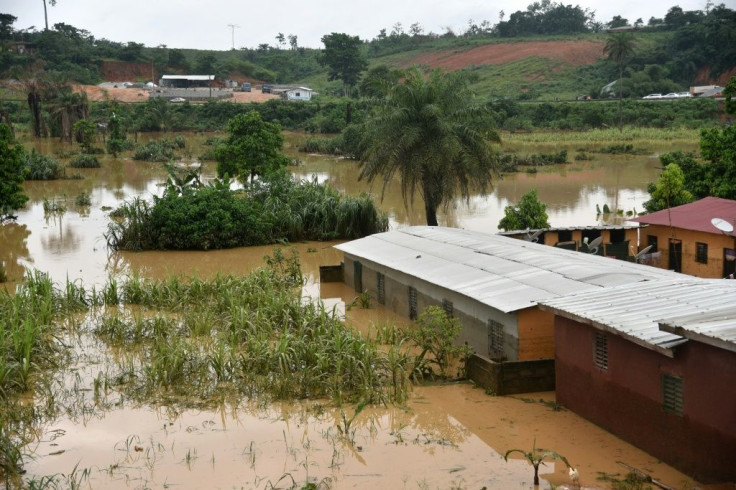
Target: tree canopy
<point>252,148</point>
<point>428,131</point>
<point>11,174</point>
<point>344,58</point>
<point>669,191</point>
<point>529,213</point>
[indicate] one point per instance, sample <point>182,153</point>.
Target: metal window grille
<point>672,400</point>
<point>701,253</point>
<point>412,303</point>
<point>448,307</point>
<point>600,351</point>
<point>381,286</point>
<point>495,338</point>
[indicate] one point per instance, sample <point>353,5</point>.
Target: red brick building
<point>655,364</point>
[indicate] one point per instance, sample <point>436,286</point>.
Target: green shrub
<point>325,146</point>
<point>84,199</point>
<point>42,167</point>
<point>212,217</point>
<point>85,161</point>
<point>155,151</point>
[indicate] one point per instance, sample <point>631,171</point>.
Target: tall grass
<point>605,136</point>
<point>249,336</point>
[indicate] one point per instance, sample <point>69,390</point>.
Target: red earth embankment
<point>574,53</point>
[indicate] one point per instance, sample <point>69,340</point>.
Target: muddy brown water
<point>451,436</point>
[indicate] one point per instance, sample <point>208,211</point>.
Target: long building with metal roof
<point>493,283</point>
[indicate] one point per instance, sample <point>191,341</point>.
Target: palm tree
<point>428,131</point>
<point>618,48</point>
<point>45,13</point>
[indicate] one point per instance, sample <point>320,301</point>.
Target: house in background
<point>689,241</point>
<point>654,363</point>
<point>491,283</point>
<point>292,92</point>
<point>616,241</point>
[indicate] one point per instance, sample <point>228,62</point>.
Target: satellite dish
<point>532,237</point>
<point>643,252</point>
<point>722,225</point>
<point>593,246</point>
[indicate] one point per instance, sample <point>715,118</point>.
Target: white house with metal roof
<point>492,283</point>
<point>654,362</point>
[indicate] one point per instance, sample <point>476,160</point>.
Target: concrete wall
<point>509,378</point>
<point>716,244</point>
<point>473,315</point>
<point>627,398</point>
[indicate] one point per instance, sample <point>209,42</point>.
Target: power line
<point>232,28</point>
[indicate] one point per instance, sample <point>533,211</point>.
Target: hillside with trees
<point>546,54</point>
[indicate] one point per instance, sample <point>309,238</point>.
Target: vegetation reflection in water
<point>194,343</point>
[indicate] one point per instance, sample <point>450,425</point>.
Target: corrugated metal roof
<point>693,216</point>
<point>198,78</point>
<point>572,228</point>
<point>716,327</point>
<point>504,273</point>
<point>635,311</point>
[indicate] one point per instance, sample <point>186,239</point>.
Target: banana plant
<point>536,457</point>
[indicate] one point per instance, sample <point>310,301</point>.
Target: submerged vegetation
<point>215,216</point>
<point>189,342</point>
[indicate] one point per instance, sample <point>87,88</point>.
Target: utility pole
<point>232,29</point>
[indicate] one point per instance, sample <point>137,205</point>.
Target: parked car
<point>177,100</point>
<point>671,95</point>
<point>684,94</point>
<point>266,89</point>
<point>245,87</point>
<point>652,96</point>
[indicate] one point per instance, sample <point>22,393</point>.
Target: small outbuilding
<point>291,92</point>
<point>186,81</point>
<point>654,363</point>
<point>688,239</point>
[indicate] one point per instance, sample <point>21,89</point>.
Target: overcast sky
<point>206,24</point>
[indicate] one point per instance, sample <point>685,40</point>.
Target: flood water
<point>451,436</point>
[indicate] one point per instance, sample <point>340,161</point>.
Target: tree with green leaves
<point>85,131</point>
<point>619,47</point>
<point>116,129</point>
<point>529,213</point>
<point>11,175</point>
<point>252,148</point>
<point>669,191</point>
<point>378,80</point>
<point>729,92</point>
<point>430,133</point>
<point>343,55</point>
<point>436,334</point>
